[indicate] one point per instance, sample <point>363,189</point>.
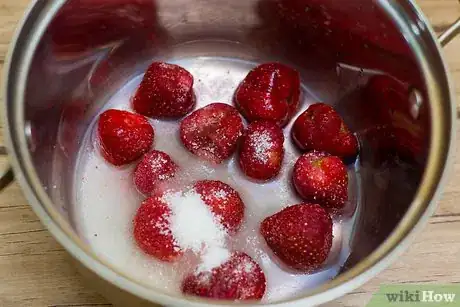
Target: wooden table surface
<point>36,271</point>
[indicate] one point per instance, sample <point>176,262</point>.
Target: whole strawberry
<point>155,167</point>
<point>300,235</point>
<point>239,278</point>
<point>212,132</point>
<point>323,179</point>
<point>124,136</point>
<point>225,203</point>
<point>261,150</point>
<point>271,92</point>
<point>152,230</point>
<point>166,91</point>
<point>321,128</point>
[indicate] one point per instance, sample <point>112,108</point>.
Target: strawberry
<point>152,230</point>
<point>300,235</point>
<point>390,107</point>
<point>166,91</point>
<point>321,128</point>
<point>223,201</point>
<point>321,178</point>
<point>335,24</point>
<point>270,91</point>
<point>239,278</point>
<point>212,132</point>
<point>124,136</point>
<point>155,167</point>
<point>261,151</point>
<point>85,25</point>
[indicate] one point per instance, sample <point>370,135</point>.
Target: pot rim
<point>437,80</point>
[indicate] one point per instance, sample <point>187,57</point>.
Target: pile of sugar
<point>195,228</point>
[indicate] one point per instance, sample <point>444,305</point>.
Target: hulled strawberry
<point>152,230</point>
<point>154,168</point>
<point>239,278</point>
<point>224,202</point>
<point>212,132</point>
<point>323,179</point>
<point>271,92</point>
<point>166,91</point>
<point>300,236</point>
<point>321,128</point>
<point>124,136</point>
<point>261,150</point>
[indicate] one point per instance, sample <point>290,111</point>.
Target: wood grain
<point>36,271</point>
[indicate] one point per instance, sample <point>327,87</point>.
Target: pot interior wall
<point>349,54</point>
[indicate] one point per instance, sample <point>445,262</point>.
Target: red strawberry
<point>270,91</point>
<point>261,151</point>
<point>321,128</point>
<point>240,278</point>
<point>155,167</point>
<point>124,136</point>
<point>166,91</point>
<point>152,230</point>
<point>85,25</point>
<point>212,132</point>
<point>390,106</point>
<point>224,202</point>
<point>300,235</point>
<point>321,178</point>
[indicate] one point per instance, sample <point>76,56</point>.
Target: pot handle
<point>447,36</point>
<point>450,33</point>
<point>6,174</point>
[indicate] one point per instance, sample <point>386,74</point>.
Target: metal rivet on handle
<point>416,101</point>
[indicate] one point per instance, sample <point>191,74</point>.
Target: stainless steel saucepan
<point>377,61</point>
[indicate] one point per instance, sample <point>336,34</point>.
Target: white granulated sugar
<point>262,144</point>
<point>221,194</point>
<point>248,267</point>
<point>213,257</point>
<point>163,226</point>
<point>194,227</point>
<point>158,162</point>
<point>192,223</point>
<point>245,265</point>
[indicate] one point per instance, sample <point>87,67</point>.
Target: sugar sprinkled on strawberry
<point>155,167</point>
<point>262,143</point>
<point>212,132</point>
<point>321,128</point>
<point>238,278</point>
<point>198,219</point>
<point>212,257</point>
<point>123,136</point>
<point>223,201</point>
<point>300,236</point>
<point>152,230</point>
<point>322,178</point>
<point>193,224</point>
<point>166,91</point>
<point>270,91</point>
<point>261,151</point>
